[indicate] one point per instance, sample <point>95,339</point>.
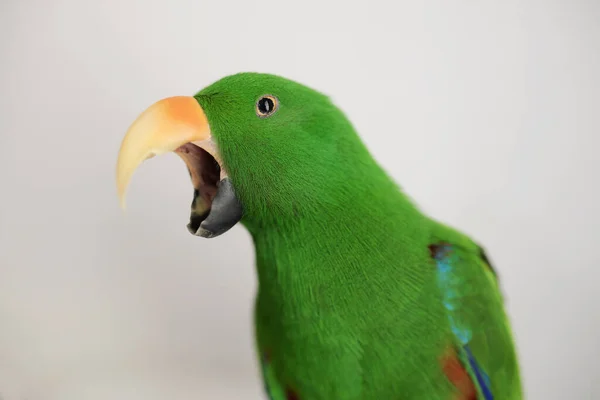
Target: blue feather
<point>482,378</point>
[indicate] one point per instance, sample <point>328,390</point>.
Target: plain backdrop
<point>486,112</point>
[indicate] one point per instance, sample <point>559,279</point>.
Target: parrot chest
<point>323,351</point>
<point>307,358</point>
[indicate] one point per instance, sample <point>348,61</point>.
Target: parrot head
<point>259,149</point>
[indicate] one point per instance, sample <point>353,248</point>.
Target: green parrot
<point>360,294</point>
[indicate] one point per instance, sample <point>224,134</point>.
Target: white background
<point>486,112</point>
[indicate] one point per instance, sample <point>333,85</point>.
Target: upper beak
<point>179,124</point>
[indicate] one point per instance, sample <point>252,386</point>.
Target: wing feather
<point>471,297</point>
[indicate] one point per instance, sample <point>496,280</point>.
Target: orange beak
<point>163,127</point>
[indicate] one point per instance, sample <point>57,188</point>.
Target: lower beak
<point>179,124</point>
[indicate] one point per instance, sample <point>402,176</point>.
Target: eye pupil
<point>266,106</point>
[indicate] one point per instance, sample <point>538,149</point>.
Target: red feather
<point>458,375</point>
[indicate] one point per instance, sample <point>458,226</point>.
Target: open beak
<point>179,124</point>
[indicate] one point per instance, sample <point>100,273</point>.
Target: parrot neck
<point>345,244</point>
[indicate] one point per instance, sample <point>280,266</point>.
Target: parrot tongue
<point>215,208</point>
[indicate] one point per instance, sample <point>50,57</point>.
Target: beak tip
<point>121,198</point>
<point>205,233</point>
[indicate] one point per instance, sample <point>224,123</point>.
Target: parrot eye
<point>266,106</point>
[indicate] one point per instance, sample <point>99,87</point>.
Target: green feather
<point>349,304</point>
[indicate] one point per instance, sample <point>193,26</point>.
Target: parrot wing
<point>271,385</point>
<point>483,362</point>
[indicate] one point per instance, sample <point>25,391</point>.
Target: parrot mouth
<point>179,124</point>
<point>204,172</point>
